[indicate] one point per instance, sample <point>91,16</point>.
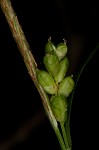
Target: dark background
<point>23,122</point>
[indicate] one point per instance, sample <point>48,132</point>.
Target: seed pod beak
<point>61,50</point>
<point>49,47</point>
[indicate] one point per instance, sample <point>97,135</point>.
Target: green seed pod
<point>49,47</point>
<point>61,50</point>
<point>51,63</point>
<point>47,82</point>
<point>59,107</point>
<point>66,86</point>
<point>63,67</point>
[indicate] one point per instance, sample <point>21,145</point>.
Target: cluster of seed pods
<point>54,79</point>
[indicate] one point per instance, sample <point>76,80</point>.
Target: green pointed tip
<point>61,50</point>
<point>50,47</point>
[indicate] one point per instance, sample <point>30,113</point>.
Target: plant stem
<point>29,61</point>
<point>60,139</point>
<point>67,128</point>
<point>64,135</point>
<point>26,54</point>
<point>82,67</point>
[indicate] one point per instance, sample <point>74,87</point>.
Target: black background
<point>20,102</point>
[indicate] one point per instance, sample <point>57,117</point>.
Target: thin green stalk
<point>67,126</point>
<point>78,77</point>
<point>60,139</point>
<point>29,61</point>
<point>64,135</point>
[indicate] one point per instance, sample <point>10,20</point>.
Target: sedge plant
<point>54,86</point>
